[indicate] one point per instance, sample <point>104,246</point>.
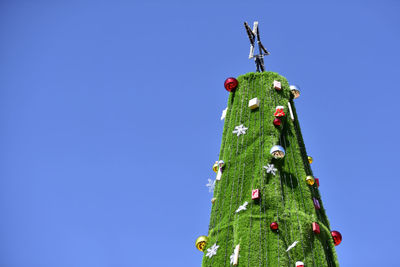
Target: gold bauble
<point>201,242</point>
<point>310,159</point>
<point>310,180</point>
<point>213,200</point>
<point>215,166</point>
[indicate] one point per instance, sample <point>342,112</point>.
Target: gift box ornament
<point>295,91</point>
<point>299,264</point>
<point>255,194</point>
<point>277,152</point>
<point>254,103</point>
<point>277,85</point>
<point>315,228</point>
<point>279,111</point>
<point>316,203</point>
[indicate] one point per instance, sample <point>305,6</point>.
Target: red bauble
<point>337,237</point>
<point>230,84</point>
<point>277,122</point>
<point>274,226</point>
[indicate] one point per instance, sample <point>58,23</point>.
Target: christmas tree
<point>267,210</point>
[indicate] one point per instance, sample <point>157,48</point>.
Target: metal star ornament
<point>270,168</point>
<point>240,130</point>
<point>242,207</point>
<point>211,185</point>
<point>212,251</point>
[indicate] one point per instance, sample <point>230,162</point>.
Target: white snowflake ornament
<point>270,168</point>
<point>211,185</point>
<point>240,130</point>
<point>212,251</point>
<point>242,207</point>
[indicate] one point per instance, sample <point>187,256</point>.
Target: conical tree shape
<point>285,198</point>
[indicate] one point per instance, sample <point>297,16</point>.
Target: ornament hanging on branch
<point>215,166</point>
<point>310,180</point>
<point>242,207</point>
<point>299,264</point>
<point>274,226</point>
<point>235,256</point>
<point>295,91</point>
<point>270,169</point>
<point>277,85</point>
<point>201,242</point>
<point>292,246</point>
<point>337,237</point>
<point>240,130</point>
<point>277,152</point>
<point>254,103</point>
<point>316,203</point>
<point>211,185</point>
<point>279,111</point>
<point>310,159</point>
<point>213,200</point>
<point>316,181</point>
<point>277,122</point>
<point>230,84</point>
<point>223,116</point>
<point>212,251</point>
<point>255,194</point>
<point>315,228</point>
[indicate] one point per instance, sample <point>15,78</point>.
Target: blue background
<point>110,122</point>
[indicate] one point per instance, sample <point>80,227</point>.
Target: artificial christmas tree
<point>269,164</point>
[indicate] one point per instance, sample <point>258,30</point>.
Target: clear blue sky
<point>110,123</point>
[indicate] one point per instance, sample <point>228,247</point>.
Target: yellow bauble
<point>310,180</point>
<point>310,159</point>
<point>201,242</point>
<point>215,166</point>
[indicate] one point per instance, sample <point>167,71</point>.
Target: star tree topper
<point>240,130</point>
<point>270,168</point>
<point>212,251</point>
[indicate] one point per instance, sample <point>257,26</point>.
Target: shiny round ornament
<point>221,164</point>
<point>213,200</point>
<point>295,91</point>
<point>274,226</point>
<point>310,159</point>
<point>230,84</point>
<point>277,152</point>
<point>277,122</point>
<point>201,242</point>
<point>215,166</point>
<point>310,180</point>
<point>337,237</point>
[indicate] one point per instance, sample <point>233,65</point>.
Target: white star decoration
<point>224,114</point>
<point>243,207</point>
<point>292,245</point>
<point>211,185</point>
<point>240,130</point>
<point>212,251</point>
<point>270,168</point>
<point>233,257</point>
